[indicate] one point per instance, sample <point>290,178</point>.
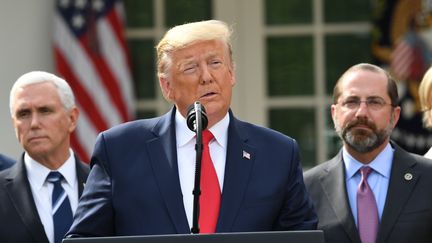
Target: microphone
<point>195,110</point>
<point>197,122</point>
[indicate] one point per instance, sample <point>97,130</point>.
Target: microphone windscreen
<point>191,116</point>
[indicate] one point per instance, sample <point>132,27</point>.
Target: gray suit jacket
<point>18,212</point>
<point>407,215</point>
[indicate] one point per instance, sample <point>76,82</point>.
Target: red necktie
<point>367,211</point>
<point>210,190</point>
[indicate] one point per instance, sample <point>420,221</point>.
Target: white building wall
<point>25,45</point>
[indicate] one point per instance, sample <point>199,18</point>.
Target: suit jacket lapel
<point>82,171</point>
<point>237,172</point>
<point>163,157</point>
<point>334,187</point>
<point>18,189</point>
<point>399,190</point>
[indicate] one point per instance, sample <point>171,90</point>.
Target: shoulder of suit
<point>314,172</point>
<point>84,166</point>
<point>254,130</point>
<point>131,125</point>
<point>408,156</point>
<point>10,172</point>
<point>421,160</point>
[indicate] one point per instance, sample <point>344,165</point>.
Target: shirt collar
<point>37,172</point>
<point>381,164</point>
<point>184,135</point>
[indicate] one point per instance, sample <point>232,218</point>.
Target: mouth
<point>362,126</point>
<point>32,139</point>
<point>208,95</point>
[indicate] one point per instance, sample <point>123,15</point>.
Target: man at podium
<point>142,174</point>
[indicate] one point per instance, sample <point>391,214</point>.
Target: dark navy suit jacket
<point>5,162</point>
<point>18,212</point>
<point>134,189</point>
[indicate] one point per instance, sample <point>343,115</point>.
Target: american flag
<point>401,59</point>
<point>410,57</point>
<point>90,53</point>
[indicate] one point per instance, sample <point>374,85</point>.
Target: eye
<point>22,114</point>
<point>45,110</point>
<point>215,63</point>
<point>189,68</point>
<point>375,103</point>
<point>351,103</point>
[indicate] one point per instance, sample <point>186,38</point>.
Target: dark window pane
<point>139,13</point>
<point>183,11</point>
<point>145,114</point>
<point>300,125</point>
<point>279,12</point>
<point>343,51</point>
<point>334,143</point>
<point>290,66</point>
<point>347,11</point>
<point>143,67</point>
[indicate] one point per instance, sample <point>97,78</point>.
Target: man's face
<point>363,116</point>
<point>201,72</point>
<point>42,124</point>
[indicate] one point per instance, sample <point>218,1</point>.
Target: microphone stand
<point>198,148</point>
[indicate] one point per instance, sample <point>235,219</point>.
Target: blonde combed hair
<point>425,92</point>
<point>184,35</point>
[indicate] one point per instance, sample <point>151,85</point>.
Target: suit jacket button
<point>408,176</point>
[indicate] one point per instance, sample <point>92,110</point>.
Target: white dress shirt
<point>186,157</point>
<point>428,154</point>
<point>42,190</point>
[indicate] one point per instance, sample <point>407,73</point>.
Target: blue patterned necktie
<point>61,209</point>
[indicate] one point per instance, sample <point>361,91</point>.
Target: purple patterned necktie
<point>367,212</point>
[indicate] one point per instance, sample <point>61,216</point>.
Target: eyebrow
<point>22,110</point>
<point>190,59</point>
<point>368,97</point>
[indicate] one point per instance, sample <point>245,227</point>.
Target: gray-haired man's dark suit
<point>18,212</point>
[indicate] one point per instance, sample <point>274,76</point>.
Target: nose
<point>362,110</point>
<point>34,121</point>
<point>206,76</point>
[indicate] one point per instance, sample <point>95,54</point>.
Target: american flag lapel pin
<point>246,155</point>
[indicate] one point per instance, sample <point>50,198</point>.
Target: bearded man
<point>372,190</point>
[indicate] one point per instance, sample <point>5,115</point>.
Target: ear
<point>396,115</point>
<point>14,121</point>
<point>73,116</point>
<point>333,113</point>
<point>232,75</point>
<point>165,85</point>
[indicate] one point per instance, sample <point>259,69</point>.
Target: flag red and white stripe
<point>91,54</point>
<point>401,59</point>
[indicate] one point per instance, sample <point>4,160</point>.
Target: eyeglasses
<point>373,103</point>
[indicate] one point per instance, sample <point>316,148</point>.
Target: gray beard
<point>363,141</point>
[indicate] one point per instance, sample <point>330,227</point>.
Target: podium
<point>309,236</point>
